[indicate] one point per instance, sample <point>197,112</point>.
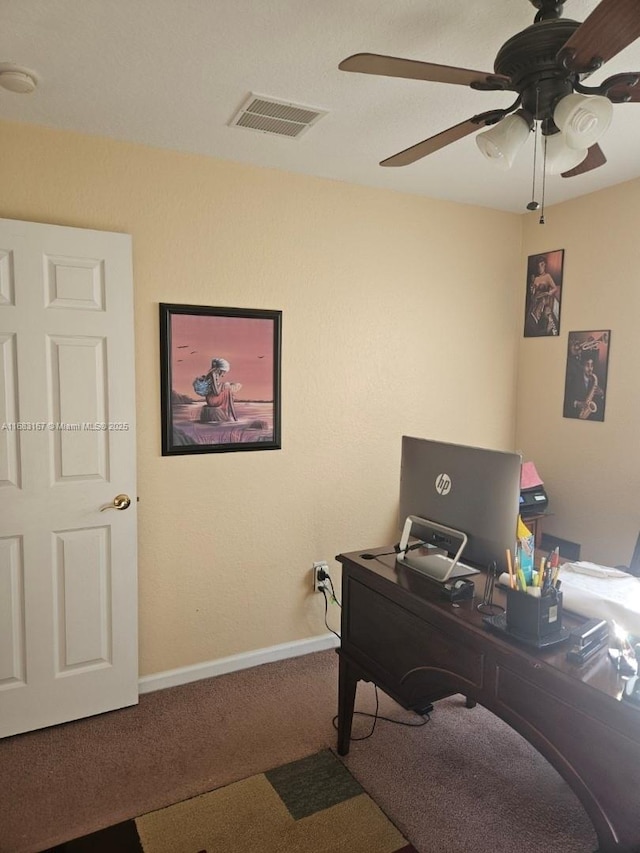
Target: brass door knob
<point>119,502</point>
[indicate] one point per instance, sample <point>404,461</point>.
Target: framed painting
<point>220,379</point>
<point>544,294</point>
<point>585,387</point>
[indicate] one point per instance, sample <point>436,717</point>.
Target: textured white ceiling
<point>172,73</point>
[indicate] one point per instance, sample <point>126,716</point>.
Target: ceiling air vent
<point>277,117</point>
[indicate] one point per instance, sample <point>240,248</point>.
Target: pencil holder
<point>534,616</point>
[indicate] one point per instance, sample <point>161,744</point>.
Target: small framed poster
<point>585,388</point>
<point>544,294</point>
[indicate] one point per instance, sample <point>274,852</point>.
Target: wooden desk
<point>398,633</point>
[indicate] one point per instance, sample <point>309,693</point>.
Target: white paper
<point>598,595</point>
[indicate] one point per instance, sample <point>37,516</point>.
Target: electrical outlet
<point>320,576</point>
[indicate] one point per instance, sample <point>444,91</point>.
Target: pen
<point>546,583</point>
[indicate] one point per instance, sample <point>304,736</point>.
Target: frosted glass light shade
<point>583,118</point>
<point>501,143</point>
<point>559,157</point>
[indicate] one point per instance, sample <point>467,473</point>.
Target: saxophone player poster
<point>585,388</point>
<point>544,294</point>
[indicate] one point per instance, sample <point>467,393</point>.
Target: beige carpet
<point>464,782</point>
<point>309,806</point>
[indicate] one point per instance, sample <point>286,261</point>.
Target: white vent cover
<point>277,117</point>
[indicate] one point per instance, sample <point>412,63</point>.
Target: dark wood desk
<point>398,633</point>
<point>534,523</point>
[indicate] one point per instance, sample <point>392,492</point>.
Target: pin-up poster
<point>544,294</point>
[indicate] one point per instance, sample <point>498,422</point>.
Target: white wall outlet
<point>320,576</point>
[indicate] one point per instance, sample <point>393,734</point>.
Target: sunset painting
<point>220,370</point>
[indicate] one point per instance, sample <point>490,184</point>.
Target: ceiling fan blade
<point>412,69</point>
<point>446,137</point>
<point>593,160</point>
<point>622,88</point>
<point>612,26</point>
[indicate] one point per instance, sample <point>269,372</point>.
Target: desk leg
<point>347,683</point>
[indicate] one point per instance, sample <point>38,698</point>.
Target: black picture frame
<point>543,299</point>
<point>220,379</point>
<point>586,375</point>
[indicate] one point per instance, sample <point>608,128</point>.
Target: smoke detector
<point>15,78</point>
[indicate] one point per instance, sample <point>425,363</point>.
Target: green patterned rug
<point>309,806</point>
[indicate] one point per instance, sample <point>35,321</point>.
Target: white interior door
<point>68,571</point>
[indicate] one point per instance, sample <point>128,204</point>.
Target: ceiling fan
<point>544,65</point>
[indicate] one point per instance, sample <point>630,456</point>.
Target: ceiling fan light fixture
<point>501,143</point>
<point>583,118</point>
<point>559,157</point>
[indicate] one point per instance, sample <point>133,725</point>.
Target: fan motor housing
<point>530,59</point>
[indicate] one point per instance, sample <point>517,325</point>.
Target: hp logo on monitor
<point>443,484</point>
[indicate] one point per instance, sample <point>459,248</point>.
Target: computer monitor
<point>471,489</point>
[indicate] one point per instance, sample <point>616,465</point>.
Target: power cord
<point>396,550</point>
<point>425,714</point>
<point>426,717</point>
<point>326,607</point>
<point>333,592</point>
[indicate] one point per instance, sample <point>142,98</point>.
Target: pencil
<point>510,567</point>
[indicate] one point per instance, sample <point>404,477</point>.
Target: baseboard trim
<point>233,663</point>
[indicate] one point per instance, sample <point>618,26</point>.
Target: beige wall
<point>591,470</point>
<point>397,318</point>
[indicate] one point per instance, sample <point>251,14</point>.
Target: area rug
<point>309,806</point>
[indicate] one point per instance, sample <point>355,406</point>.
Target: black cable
<point>396,550</point>
<point>376,716</point>
<point>426,718</point>
<point>326,610</point>
<point>333,592</point>
<point>375,556</point>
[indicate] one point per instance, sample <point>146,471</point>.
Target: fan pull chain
<point>544,175</point>
<point>533,204</point>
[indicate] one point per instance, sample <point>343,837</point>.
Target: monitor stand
<point>438,551</point>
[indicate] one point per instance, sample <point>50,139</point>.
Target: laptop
<point>438,552</point>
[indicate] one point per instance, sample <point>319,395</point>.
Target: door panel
<point>68,571</point>
<point>83,596</point>
<point>79,402</point>
<point>12,639</point>
<point>9,439</point>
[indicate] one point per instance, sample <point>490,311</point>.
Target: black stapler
<point>588,639</point>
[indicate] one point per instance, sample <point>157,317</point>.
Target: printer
<point>533,498</point>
